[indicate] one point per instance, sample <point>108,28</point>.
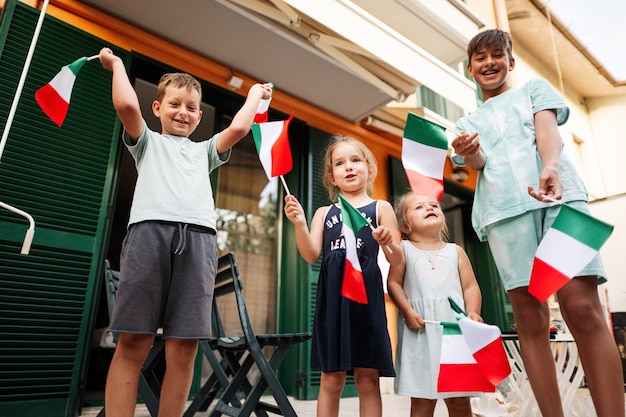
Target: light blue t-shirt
<point>173,181</point>
<point>506,129</point>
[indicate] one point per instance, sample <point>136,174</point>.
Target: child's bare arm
<point>123,94</point>
<point>240,125</point>
<point>386,234</point>
<point>549,147</point>
<point>471,291</point>
<point>309,243</point>
<point>395,281</point>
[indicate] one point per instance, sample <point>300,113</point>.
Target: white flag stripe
<point>478,335</point>
<point>270,131</point>
<point>427,160</point>
<point>263,106</point>
<point>63,83</point>
<point>454,350</point>
<point>555,244</point>
<point>351,253</point>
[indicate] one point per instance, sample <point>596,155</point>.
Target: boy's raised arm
<point>123,94</point>
<point>240,125</point>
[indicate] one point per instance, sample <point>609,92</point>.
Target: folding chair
<point>151,374</point>
<point>241,396</point>
<point>223,368</point>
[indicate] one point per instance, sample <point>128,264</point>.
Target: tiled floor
<point>393,406</point>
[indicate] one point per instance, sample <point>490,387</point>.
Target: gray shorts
<point>167,277</point>
<point>513,243</point>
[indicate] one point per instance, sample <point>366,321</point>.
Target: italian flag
<point>54,97</point>
<point>458,370</point>
<point>353,285</point>
<point>272,144</point>
<point>262,110</point>
<point>424,151</point>
<point>572,241</point>
<point>485,344</point>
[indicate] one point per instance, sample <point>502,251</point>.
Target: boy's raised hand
<point>108,58</point>
<point>265,90</point>
<point>466,145</point>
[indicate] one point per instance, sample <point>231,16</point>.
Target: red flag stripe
<point>545,280</point>
<point>52,104</point>
<point>423,185</point>
<point>493,361</point>
<point>353,285</point>
<point>282,161</point>
<point>462,378</point>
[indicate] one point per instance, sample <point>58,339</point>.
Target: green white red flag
<point>485,344</point>
<point>458,369</point>
<point>353,285</point>
<point>272,144</point>
<point>572,241</point>
<point>424,151</point>
<point>54,97</point>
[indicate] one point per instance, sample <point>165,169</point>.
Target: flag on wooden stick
<point>272,144</point>
<point>54,97</point>
<point>424,151</point>
<point>458,370</point>
<point>572,241</point>
<point>353,286</point>
<point>485,344</point>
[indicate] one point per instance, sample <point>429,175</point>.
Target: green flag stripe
<point>351,216</point>
<point>424,131</point>
<point>77,65</point>
<point>450,328</point>
<point>257,136</point>
<point>582,227</point>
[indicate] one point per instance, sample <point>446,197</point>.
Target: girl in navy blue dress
<point>348,337</point>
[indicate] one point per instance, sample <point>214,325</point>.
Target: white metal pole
<point>20,85</point>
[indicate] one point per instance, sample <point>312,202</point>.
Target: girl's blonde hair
<point>370,160</point>
<point>403,224</point>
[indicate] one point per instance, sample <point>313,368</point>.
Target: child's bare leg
<point>533,329</point>
<point>331,386</point>
<point>459,407</point>
<point>367,381</point>
<point>422,407</point>
<point>120,396</point>
<point>582,311</point>
<point>179,359</point>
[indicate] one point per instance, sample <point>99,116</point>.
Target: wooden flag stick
<point>282,179</point>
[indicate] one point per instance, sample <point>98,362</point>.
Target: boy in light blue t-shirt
<point>169,255</point>
<point>512,140</point>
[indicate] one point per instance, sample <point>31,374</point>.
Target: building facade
<point>349,67</point>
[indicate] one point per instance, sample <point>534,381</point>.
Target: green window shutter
<point>62,177</point>
<point>429,99</point>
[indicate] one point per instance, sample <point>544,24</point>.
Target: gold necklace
<point>429,258</point>
<point>430,261</point>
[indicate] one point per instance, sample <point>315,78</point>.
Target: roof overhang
<point>333,54</point>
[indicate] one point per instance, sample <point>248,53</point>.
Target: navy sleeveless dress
<point>347,334</point>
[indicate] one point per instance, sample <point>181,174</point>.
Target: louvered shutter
<point>62,177</point>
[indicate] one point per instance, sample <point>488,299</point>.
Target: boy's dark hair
<point>490,38</point>
<point>177,79</point>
